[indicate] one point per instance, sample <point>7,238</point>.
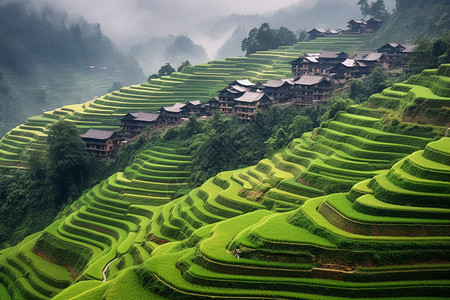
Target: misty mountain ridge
<point>48,60</point>
<point>324,13</point>
<point>171,49</point>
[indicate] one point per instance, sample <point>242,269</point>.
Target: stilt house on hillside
<point>249,103</point>
<point>101,143</point>
<point>396,55</point>
<point>173,114</point>
<point>310,90</point>
<point>134,123</point>
<point>280,90</point>
<point>234,90</point>
<point>317,63</point>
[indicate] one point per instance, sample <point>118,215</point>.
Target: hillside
<point>413,20</point>
<point>200,82</point>
<point>47,60</point>
<point>356,208</point>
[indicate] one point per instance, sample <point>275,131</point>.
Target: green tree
<point>166,70</point>
<point>365,7</point>
<point>430,54</point>
<point>358,90</point>
<point>183,65</point>
<point>378,80</point>
<point>378,10</point>
<point>300,125</point>
<point>265,38</point>
<point>67,158</point>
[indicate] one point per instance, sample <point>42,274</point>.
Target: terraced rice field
<point>354,209</point>
<point>200,82</point>
<point>108,224</point>
<point>387,237</point>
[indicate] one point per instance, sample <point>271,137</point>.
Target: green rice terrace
<point>200,82</point>
<point>357,208</point>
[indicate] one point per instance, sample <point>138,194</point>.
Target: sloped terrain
<point>108,224</point>
<point>200,82</point>
<point>387,237</point>
<point>356,208</point>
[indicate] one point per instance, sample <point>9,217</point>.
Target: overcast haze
<point>133,21</point>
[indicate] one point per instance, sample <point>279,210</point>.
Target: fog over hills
<point>206,23</point>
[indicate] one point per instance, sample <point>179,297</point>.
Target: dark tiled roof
<point>277,83</point>
<point>176,108</point>
<point>97,134</point>
<point>309,80</point>
<point>143,116</point>
<point>330,54</point>
<point>320,30</point>
<point>250,97</point>
<point>237,88</point>
<point>362,22</point>
<point>195,102</point>
<point>371,56</point>
<point>392,45</point>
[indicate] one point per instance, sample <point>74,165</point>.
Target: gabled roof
<point>361,22</point>
<point>194,102</point>
<point>97,134</point>
<point>373,20</point>
<point>371,56</point>
<point>408,48</point>
<point>331,54</point>
<point>142,116</point>
<point>310,80</point>
<point>332,31</point>
<point>278,83</point>
<point>242,82</point>
<point>214,99</point>
<point>176,108</point>
<point>390,45</point>
<point>250,97</point>
<point>318,30</point>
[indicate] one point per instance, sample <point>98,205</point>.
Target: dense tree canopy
<point>430,53</point>
<point>67,157</point>
<point>265,38</point>
<point>375,9</point>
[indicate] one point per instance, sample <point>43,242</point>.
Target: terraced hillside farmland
<point>107,226</point>
<point>387,237</point>
<point>423,98</point>
<point>199,82</point>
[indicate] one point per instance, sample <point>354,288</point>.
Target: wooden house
<point>279,90</point>
<point>135,123</point>
<point>316,32</point>
<point>194,107</point>
<point>234,90</point>
<point>309,90</point>
<point>356,26</point>
<point>372,25</point>
<point>395,55</point>
<point>306,65</point>
<point>328,59</point>
<point>173,114</point>
<point>101,143</point>
<point>249,103</point>
<point>347,69</point>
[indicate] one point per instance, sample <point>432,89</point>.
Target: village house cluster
<point>315,75</point>
<point>353,27</point>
